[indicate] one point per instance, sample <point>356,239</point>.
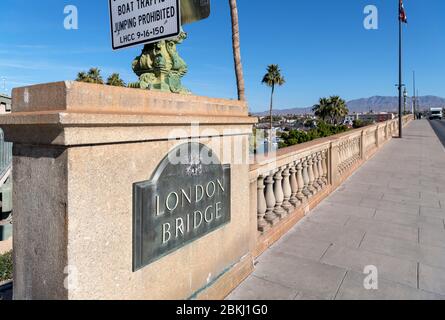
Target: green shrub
<point>6,266</point>
<point>357,124</point>
<point>322,130</point>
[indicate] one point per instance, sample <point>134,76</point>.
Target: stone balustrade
<point>297,178</point>
<point>289,186</point>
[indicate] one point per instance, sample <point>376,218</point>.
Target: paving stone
<point>432,212</point>
<point>305,297</point>
<point>416,187</point>
<point>390,205</point>
<point>297,245</point>
<point>333,234</point>
<point>431,196</point>
<point>400,191</point>
<point>430,255</point>
<point>307,277</point>
<point>432,236</point>
<point>413,220</point>
<point>353,288</point>
<point>351,199</point>
<point>432,279</point>
<point>258,289</point>
<point>392,247</point>
<point>347,209</point>
<point>390,268</point>
<point>384,228</point>
<point>406,200</point>
<point>354,186</point>
<point>353,192</point>
<point>326,215</point>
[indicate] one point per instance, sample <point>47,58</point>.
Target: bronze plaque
<point>194,10</point>
<point>187,198</point>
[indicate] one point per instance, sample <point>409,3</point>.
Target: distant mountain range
<point>375,104</point>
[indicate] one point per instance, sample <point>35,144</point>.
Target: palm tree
<point>237,50</point>
<point>338,109</point>
<point>115,80</point>
<point>82,77</point>
<point>92,76</point>
<point>322,109</point>
<point>272,78</point>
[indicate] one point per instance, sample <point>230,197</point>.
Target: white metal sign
<point>143,21</point>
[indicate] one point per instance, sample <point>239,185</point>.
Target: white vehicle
<point>436,113</point>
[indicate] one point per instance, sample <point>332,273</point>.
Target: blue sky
<point>321,47</point>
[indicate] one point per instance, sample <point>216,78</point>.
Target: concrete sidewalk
<point>390,214</point>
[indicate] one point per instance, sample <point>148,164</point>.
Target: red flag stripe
<point>402,13</point>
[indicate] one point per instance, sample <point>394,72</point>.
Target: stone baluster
<point>279,195</point>
<point>340,158</point>
<point>353,146</point>
<point>263,226</point>
<point>320,170</point>
<point>357,149</point>
<point>270,215</point>
<point>344,157</point>
<point>300,180</point>
<point>311,187</point>
<point>287,190</point>
<point>306,190</point>
<point>317,186</point>
<point>354,150</point>
<point>294,186</point>
<point>324,163</point>
<point>350,153</point>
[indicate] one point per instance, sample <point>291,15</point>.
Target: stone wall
<point>78,151</point>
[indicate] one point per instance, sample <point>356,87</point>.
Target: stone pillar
<point>263,226</point>
<point>311,187</point>
<point>270,216</point>
<point>279,195</point>
<point>362,145</point>
<point>306,180</point>
<point>294,186</point>
<point>300,180</point>
<point>320,169</point>
<point>335,162</point>
<point>79,150</point>
<point>377,136</point>
<point>317,186</point>
<point>324,163</point>
<point>287,190</point>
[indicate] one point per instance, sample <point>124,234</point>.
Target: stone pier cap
<point>61,113</point>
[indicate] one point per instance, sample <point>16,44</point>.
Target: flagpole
<point>400,72</point>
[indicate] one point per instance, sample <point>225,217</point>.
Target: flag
<point>402,13</point>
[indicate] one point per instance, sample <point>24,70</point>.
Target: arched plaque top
<point>191,158</point>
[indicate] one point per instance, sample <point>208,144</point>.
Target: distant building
<point>369,117</point>
<point>5,104</point>
<point>376,117</point>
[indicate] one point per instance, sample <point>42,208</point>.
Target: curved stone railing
<point>286,186</point>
